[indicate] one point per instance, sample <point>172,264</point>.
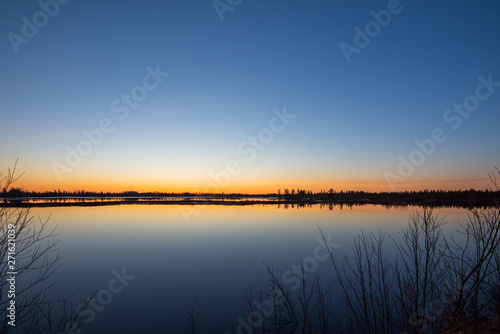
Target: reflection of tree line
<point>340,205</point>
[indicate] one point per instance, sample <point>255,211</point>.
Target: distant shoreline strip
<point>98,202</point>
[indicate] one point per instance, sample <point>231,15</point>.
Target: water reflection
<point>215,199</point>
<point>217,256</point>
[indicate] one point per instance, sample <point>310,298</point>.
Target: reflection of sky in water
<point>218,255</point>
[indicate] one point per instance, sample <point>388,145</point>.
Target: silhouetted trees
<point>431,198</point>
<point>464,198</point>
<point>28,251</point>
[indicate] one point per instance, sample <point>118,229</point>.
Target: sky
<point>250,96</point>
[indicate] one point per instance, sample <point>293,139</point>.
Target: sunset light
<point>249,166</point>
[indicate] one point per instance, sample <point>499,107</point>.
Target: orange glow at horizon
<point>248,187</point>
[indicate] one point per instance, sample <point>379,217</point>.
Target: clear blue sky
<point>353,120</point>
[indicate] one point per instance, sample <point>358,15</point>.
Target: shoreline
<point>23,203</point>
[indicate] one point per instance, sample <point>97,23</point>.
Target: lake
<point>147,262</point>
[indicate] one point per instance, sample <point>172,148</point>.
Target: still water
<point>153,262</point>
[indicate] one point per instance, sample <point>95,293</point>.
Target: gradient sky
<point>353,120</point>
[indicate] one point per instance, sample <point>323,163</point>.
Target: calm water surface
<point>216,256</point>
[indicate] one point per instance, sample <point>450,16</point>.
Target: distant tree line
<point>422,197</point>
<point>437,197</point>
<point>18,192</point>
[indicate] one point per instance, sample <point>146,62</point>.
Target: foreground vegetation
<point>29,258</point>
